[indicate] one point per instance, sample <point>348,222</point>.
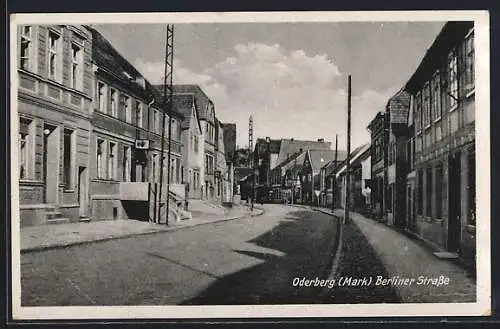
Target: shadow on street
<point>307,241</point>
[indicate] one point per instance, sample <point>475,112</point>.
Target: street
<point>245,261</point>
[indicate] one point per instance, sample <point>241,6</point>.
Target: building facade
<point>378,128</point>
<point>192,168</point>
<point>126,141</point>
<point>54,100</point>
<point>397,110</point>
<point>441,181</point>
<point>206,115</point>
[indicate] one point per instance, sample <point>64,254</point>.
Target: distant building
<point>206,115</point>
<point>192,168</point>
<point>378,128</point>
<point>310,173</point>
<point>357,201</point>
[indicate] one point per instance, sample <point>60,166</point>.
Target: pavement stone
<point>35,238</point>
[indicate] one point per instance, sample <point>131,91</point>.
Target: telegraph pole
<point>167,108</point>
<point>348,166</point>
<point>334,181</point>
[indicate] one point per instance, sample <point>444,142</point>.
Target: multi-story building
<point>206,115</point>
<point>229,131</point>
<point>378,128</point>
<point>397,109</point>
<point>313,161</point>
<point>443,168</point>
<point>192,172</point>
<point>357,200</point>
<point>221,167</point>
<point>327,179</point>
<point>54,97</point>
<point>127,119</point>
<point>280,152</point>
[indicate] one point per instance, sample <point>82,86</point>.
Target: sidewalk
<point>43,237</point>
<point>407,258</point>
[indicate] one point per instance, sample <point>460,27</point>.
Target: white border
<point>481,307</point>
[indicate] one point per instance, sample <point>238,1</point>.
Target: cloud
<point>288,93</point>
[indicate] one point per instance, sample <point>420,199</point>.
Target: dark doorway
<point>454,204</point>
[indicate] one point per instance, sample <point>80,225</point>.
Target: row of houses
<point>90,134</point>
<point>417,172</point>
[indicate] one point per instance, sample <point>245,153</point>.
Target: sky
<point>291,77</point>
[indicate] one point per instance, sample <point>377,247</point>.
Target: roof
<point>320,157</point>
<point>108,59</point>
<point>360,150</point>
<point>449,37</point>
<point>201,98</point>
<point>184,105</point>
<point>261,145</point>
<point>291,146</point>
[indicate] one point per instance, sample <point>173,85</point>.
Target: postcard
<point>250,165</point>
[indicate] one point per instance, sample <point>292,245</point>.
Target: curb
<point>162,230</point>
<point>338,245</point>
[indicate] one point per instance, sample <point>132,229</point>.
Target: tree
<point>241,157</point>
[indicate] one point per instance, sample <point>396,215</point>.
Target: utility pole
<point>167,108</point>
<point>251,160</point>
<point>348,166</point>
<point>334,181</point>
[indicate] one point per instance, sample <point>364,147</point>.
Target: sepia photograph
<point>236,165</point>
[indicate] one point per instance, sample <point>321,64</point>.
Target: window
<point>428,192</point>
<point>112,161</point>
<point>469,63</point>
<point>76,67</point>
<point>155,121</point>
<point>436,97</point>
<point>27,52</point>
<point>172,169</point>
<point>26,148</point>
<point>68,160</point>
<point>471,188</point>
<point>99,156</point>
<point>452,81</point>
<point>426,107</point>
<point>138,114</point>
<point>127,108</point>
<point>101,96</point>
<point>420,182</point>
<point>196,141</point>
<point>389,197</point>
<point>439,191</point>
<point>127,162</point>
<point>155,166</point>
<point>54,56</point>
<point>177,170</point>
<point>418,111</point>
<point>114,103</point>
<point>174,129</point>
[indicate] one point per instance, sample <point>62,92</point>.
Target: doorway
<point>51,163</point>
<point>410,214</point>
<point>454,204</point>
<point>82,191</point>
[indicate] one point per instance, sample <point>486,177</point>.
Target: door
<point>82,191</point>
<point>51,163</point>
<point>454,204</point>
<point>410,219</point>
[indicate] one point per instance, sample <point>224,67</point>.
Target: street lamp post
<point>268,165</point>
